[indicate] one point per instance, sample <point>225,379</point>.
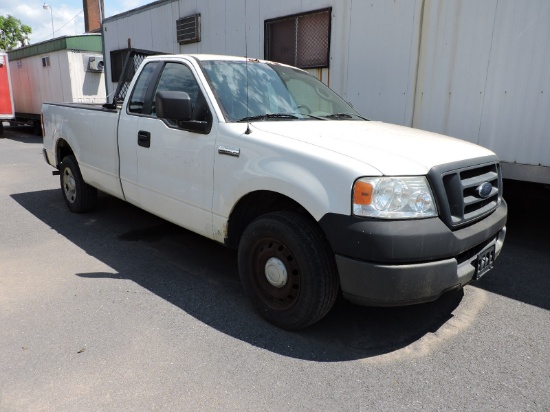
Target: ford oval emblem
<point>484,190</point>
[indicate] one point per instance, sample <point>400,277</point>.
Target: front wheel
<point>79,196</point>
<point>288,270</point>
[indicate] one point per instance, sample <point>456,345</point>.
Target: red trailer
<point>6,95</point>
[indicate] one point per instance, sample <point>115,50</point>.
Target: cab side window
<point>137,99</point>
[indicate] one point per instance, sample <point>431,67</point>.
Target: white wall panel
<point>484,75</point>
<point>382,58</point>
<point>452,71</point>
<point>85,86</point>
<point>516,115</point>
<point>151,27</point>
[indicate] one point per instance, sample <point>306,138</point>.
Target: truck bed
<point>91,131</point>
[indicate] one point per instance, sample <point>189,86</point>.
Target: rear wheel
<point>79,196</point>
<point>287,269</point>
<point>37,127</point>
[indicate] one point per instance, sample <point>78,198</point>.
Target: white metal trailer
<point>476,70</point>
<point>66,69</point>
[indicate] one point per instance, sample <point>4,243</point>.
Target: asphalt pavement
<point>118,310</point>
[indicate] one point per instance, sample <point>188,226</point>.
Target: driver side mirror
<point>176,106</point>
<point>173,105</point>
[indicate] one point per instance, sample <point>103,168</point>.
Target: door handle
<point>144,138</point>
<point>230,151</point>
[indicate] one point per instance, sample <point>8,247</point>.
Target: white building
<point>65,69</point>
<point>477,70</point>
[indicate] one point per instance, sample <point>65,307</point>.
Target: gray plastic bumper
<point>376,284</point>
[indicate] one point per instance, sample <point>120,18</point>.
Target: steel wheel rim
<point>69,185</point>
<point>275,297</point>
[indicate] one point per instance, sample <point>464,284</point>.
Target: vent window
<point>188,29</point>
<point>299,40</point>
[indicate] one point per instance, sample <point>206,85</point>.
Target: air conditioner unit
<point>95,64</point>
<point>188,29</point>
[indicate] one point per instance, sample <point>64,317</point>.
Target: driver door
<point>175,166</point>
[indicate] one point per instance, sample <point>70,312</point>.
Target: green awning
<point>83,42</point>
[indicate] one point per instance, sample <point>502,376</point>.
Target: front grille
<point>458,195</point>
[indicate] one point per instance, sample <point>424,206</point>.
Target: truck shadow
<point>522,271</point>
<point>201,277</point>
<point>22,134</point>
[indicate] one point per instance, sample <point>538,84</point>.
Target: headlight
<point>393,198</point>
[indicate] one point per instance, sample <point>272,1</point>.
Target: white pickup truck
<point>264,158</point>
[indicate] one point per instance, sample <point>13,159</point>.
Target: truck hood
<point>391,149</point>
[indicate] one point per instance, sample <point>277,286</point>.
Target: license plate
<point>485,261</point>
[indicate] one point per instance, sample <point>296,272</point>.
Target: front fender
<point>316,178</point>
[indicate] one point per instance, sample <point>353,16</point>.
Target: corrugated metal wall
<point>381,59</point>
<point>484,76</point>
<point>517,102</point>
<point>477,70</point>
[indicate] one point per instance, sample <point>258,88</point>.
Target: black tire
<point>37,127</point>
<point>79,196</point>
<point>288,243</point>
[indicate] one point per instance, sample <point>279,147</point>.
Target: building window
<point>118,57</point>
<point>46,61</point>
<point>301,40</point>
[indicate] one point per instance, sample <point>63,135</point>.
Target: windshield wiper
<point>344,116</point>
<point>314,117</point>
<point>339,116</point>
<point>268,116</point>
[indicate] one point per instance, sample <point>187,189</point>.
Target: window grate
<point>133,60</point>
<point>299,40</point>
<point>118,57</point>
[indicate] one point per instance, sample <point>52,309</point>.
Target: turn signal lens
<point>362,193</point>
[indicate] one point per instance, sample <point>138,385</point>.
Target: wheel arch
<point>62,149</point>
<point>255,204</point>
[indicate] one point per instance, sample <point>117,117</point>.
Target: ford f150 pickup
<point>266,159</point>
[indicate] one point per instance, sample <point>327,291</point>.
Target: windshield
<point>275,92</point>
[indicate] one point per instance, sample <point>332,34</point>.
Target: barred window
<point>301,40</point>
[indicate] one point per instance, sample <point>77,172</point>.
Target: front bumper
<point>396,263</point>
<point>375,284</point>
